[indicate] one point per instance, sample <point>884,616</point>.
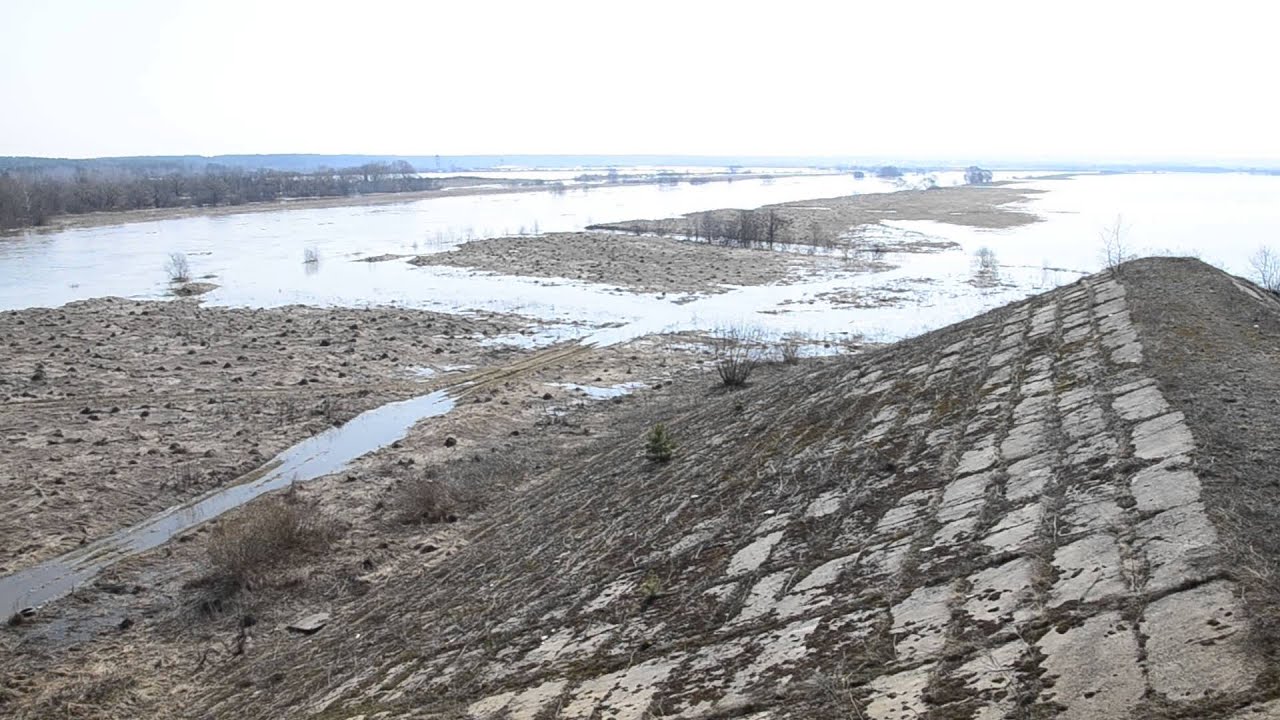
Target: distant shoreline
<point>61,223</point>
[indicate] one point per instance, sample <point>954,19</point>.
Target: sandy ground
<point>114,409</point>
<point>644,264</point>
<point>826,221</point>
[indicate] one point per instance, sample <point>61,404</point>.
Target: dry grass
<point>445,493</point>
<point>265,535</point>
<point>87,695</point>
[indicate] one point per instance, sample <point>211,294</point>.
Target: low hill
<point>1063,508</point>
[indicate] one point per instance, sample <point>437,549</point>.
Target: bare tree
<point>974,175</point>
<point>986,266</point>
<point>775,224</point>
<point>1266,269</point>
<point>1115,247</point>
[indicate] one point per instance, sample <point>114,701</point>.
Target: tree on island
<point>974,175</point>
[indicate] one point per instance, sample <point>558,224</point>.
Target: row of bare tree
<point>744,228</point>
<point>32,198</point>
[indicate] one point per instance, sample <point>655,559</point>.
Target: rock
<point>309,624</point>
<point>450,441</point>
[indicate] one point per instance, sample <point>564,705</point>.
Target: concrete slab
<point>899,696</point>
<point>1162,437</point>
<point>1095,669</point>
<point>920,623</point>
<point>1017,528</point>
<point>1164,486</point>
<point>1089,570</point>
<point>1180,545</point>
<point>1002,594</point>
<point>1140,404</point>
<point>1195,644</point>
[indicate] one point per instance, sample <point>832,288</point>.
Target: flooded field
<point>924,275</point>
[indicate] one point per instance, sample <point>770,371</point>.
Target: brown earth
<point>644,264</point>
<point>114,409</point>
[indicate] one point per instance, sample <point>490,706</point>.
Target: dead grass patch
<point>443,493</point>
<point>265,535</point>
<point>86,695</point>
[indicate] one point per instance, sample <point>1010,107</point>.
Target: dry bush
<point>267,534</point>
<point>445,493</point>
<point>789,349</point>
<point>737,352</point>
<point>177,267</point>
<point>310,256</point>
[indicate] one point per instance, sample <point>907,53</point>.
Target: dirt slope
<point>1049,511</point>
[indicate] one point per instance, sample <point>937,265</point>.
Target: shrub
<point>310,256</point>
<point>660,446</point>
<point>267,534</point>
<point>789,349</point>
<point>177,267</point>
<point>427,498</point>
<point>737,354</point>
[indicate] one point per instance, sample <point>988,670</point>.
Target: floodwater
<point>257,258</point>
<point>324,454</point>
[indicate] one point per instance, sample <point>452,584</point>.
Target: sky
<point>944,80</point>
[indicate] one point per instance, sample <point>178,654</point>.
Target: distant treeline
<point>31,197</point>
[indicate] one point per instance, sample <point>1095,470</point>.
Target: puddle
<point>602,393</point>
<point>324,454</point>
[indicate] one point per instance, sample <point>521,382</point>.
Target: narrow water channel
<point>323,454</point>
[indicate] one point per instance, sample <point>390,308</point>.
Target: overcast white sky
<point>962,80</point>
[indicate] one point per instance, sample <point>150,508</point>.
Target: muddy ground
<point>185,423</point>
<point>711,252</point>
<point>829,221</point>
<point>115,409</point>
<point>636,263</point>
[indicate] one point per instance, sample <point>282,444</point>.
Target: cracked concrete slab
<point>1196,643</point>
<point>1095,668</point>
